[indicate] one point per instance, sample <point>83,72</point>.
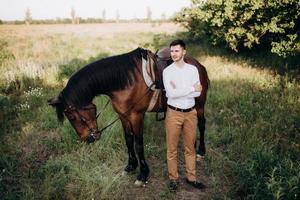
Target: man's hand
<point>197,87</point>
<point>173,84</point>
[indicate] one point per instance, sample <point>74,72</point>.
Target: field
<point>253,120</point>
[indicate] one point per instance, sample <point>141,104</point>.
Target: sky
<point>51,9</point>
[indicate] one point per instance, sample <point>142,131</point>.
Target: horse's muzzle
<point>93,136</point>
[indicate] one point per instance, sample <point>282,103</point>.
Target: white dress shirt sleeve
<point>176,92</point>
<point>196,79</point>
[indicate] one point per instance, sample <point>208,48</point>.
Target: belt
<point>180,109</point>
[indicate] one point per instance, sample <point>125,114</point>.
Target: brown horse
<point>121,78</point>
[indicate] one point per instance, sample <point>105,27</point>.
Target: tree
<point>28,18</point>
<point>272,24</point>
<point>117,15</point>
<point>73,15</point>
<point>148,14</point>
<point>103,14</point>
<point>163,16</point>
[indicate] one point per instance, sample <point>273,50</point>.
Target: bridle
<point>94,133</point>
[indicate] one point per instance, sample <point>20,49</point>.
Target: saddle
<point>153,66</point>
<point>163,59</point>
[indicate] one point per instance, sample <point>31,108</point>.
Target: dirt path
<point>157,187</point>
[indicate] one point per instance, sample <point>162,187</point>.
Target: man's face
<point>177,53</point>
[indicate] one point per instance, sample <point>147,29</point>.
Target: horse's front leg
<point>137,121</point>
<point>144,169</point>
<point>129,139</point>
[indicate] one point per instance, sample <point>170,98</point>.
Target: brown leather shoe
<point>195,184</point>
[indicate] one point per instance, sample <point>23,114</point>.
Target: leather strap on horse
<point>126,112</point>
<point>102,109</point>
<point>146,69</point>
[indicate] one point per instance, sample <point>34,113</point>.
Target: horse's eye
<point>71,117</point>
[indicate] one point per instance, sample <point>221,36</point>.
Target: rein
<point>131,107</point>
<point>100,112</point>
<point>94,133</point>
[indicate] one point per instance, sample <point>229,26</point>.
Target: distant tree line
<point>81,21</point>
<point>74,19</point>
<point>269,24</point>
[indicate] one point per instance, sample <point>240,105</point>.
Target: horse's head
<point>83,119</point>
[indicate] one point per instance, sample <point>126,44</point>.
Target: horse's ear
<point>54,101</point>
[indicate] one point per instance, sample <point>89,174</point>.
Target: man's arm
<point>174,92</point>
<point>195,94</point>
<point>197,85</point>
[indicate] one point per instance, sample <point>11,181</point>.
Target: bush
<point>246,24</point>
<point>70,68</point>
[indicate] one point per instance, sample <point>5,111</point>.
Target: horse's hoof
<point>200,157</point>
<point>130,169</point>
<point>124,173</point>
<point>139,183</point>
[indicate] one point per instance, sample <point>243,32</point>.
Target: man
<point>182,84</point>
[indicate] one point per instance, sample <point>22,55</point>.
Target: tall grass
<point>252,124</point>
<point>41,159</point>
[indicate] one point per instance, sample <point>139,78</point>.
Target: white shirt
<point>183,95</point>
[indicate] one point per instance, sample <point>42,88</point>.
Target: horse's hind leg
<point>129,139</point>
<point>201,127</point>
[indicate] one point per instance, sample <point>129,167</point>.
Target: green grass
<point>252,136</point>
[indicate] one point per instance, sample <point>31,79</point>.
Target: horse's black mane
<point>101,77</point>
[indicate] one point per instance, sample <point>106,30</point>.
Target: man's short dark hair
<point>178,42</point>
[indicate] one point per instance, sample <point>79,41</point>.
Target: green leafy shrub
<point>246,24</point>
<point>66,70</point>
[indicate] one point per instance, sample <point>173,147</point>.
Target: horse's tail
<point>59,106</point>
<point>206,76</point>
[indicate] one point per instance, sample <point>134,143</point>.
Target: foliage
<point>28,17</point>
<point>7,113</point>
<point>265,176</point>
<point>255,126</point>
<point>253,121</point>
<point>88,20</point>
<point>66,70</point>
<point>42,159</point>
<point>271,24</point>
<point>5,54</point>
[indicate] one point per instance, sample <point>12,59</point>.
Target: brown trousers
<point>175,122</point>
